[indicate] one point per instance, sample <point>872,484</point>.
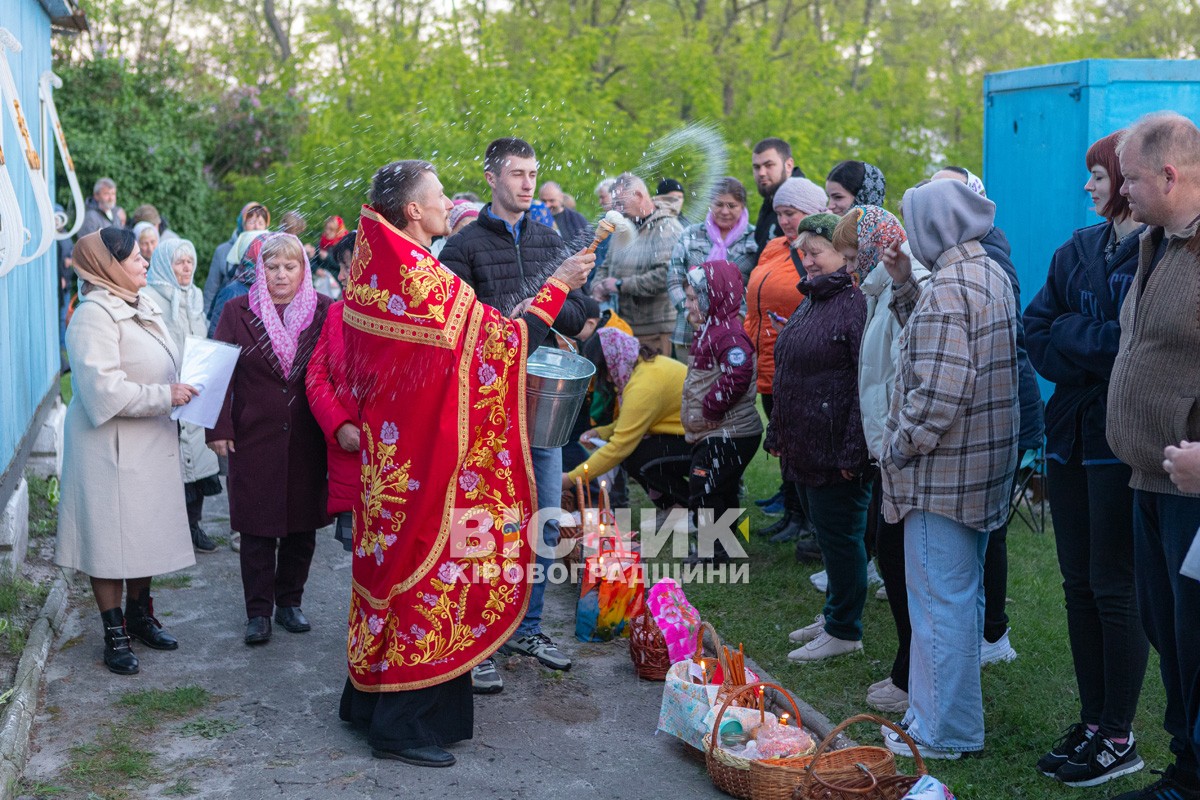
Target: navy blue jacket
<point>1073,329</point>
<point>1029,396</point>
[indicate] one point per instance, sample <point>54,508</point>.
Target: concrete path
<point>586,733</point>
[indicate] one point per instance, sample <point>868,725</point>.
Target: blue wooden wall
<point>1038,125</point>
<point>29,359</point>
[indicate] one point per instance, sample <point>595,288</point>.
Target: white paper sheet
<point>207,365</point>
<point>1191,562</point>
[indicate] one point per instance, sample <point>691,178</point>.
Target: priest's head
<point>409,195</point>
<point>510,167</point>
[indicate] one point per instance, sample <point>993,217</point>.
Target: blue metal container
<point>1038,125</point>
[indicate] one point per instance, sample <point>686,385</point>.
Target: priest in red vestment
<point>442,530</point>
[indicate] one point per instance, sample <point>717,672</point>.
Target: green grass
<point>111,760</point>
<point>43,506</point>
<point>1026,702</point>
<point>209,727</point>
<point>149,707</point>
<point>176,580</point>
<point>64,388</point>
<point>181,788</point>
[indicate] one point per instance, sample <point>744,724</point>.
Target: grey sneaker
<point>201,541</point>
<point>485,678</point>
<point>540,647</point>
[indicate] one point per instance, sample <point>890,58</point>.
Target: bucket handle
<point>565,340</point>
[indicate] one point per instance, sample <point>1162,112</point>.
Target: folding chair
<point>1029,491</point>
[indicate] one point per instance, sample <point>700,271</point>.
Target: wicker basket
<point>731,773</point>
<point>855,778</point>
<point>647,647</point>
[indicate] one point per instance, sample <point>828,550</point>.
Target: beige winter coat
<point>198,461</point>
<point>122,513</point>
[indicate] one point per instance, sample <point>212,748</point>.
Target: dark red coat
<point>277,472</point>
<point>334,406</point>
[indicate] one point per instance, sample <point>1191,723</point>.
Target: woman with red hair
<point>1072,330</point>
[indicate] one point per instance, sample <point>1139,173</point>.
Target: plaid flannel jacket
<point>952,429</point>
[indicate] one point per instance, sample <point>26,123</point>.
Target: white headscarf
<point>162,277</point>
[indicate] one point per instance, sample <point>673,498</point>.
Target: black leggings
<point>1092,508</point>
<point>660,464</point>
<point>717,465</point>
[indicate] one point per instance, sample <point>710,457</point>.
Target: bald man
<point>572,225</point>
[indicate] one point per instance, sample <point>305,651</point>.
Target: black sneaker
<point>540,647</point>
<point>201,541</point>
<point>1165,788</point>
<point>485,678</point>
<point>1101,761</point>
<point>1073,741</point>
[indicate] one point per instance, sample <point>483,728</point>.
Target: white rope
<point>33,162</point>
<point>46,86</point>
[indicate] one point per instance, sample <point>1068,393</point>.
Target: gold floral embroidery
<point>362,257</point>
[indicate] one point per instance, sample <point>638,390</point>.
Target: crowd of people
<point>896,373</point>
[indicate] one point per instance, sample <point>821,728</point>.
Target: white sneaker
<point>877,685</point>
<point>873,576</point>
<point>900,747</point>
<point>997,651</point>
<point>881,594</point>
<point>808,632</point>
<point>888,698</point>
<point>820,581</point>
<point>823,647</point>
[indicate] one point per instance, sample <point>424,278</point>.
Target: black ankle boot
<point>141,624</point>
<point>118,656</point>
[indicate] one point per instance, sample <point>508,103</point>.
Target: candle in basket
<point>762,706</point>
<point>588,483</point>
<point>783,720</point>
<point>579,498</point>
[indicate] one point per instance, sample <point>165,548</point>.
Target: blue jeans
<point>944,567</point>
<point>547,476</point>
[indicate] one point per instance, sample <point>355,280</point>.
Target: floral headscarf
<point>975,184</point>
<point>874,187</point>
<point>284,333</point>
<point>878,229</point>
<point>620,354</point>
<point>539,212</point>
<point>161,276</point>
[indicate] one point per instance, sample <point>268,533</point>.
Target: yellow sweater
<point>650,404</point>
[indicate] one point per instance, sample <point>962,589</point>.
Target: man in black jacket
<point>506,257</point>
<point>772,163</point>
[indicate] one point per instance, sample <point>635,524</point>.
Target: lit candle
<point>588,483</point>
<point>783,720</point>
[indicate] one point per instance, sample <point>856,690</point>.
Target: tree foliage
<point>297,102</point>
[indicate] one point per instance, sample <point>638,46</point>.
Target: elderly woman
<point>170,286</point>
<point>146,234</point>
<point>646,436</point>
<point>275,448</point>
<point>854,183</point>
<point>241,275</point>
<point>817,432</point>
<point>771,296</point>
<point>334,406</point>
<point>122,517</point>
<point>725,235</point>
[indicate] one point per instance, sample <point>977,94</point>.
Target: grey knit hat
<point>801,194</point>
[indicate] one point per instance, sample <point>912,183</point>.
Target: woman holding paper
<point>170,286</point>
<point>122,518</point>
<point>276,450</point>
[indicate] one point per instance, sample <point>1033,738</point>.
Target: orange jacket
<point>772,287</point>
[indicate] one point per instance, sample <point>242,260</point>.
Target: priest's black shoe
<point>429,756</point>
<point>258,630</point>
<point>292,619</point>
<point>807,550</point>
<point>118,656</point>
<point>142,625</point>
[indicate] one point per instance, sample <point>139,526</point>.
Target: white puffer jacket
<point>877,361</point>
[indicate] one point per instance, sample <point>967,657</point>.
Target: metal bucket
<point>555,385</point>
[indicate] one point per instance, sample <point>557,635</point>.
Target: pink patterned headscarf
<point>620,354</point>
<point>284,333</point>
<point>878,229</point>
